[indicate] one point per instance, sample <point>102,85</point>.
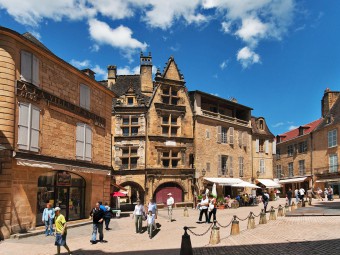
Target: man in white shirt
<point>302,194</point>
<point>204,208</point>
<point>169,202</point>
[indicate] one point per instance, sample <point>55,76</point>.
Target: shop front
<point>63,189</point>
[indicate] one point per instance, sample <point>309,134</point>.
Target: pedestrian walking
<point>151,223</point>
<point>107,216</point>
<point>326,193</point>
<point>289,196</point>
<point>60,231</point>
<point>152,206</point>
<point>138,214</point>
<point>296,193</point>
<point>330,193</point>
<point>97,216</point>
<point>170,202</point>
<point>265,200</point>
<point>212,208</point>
<point>302,194</point>
<point>47,219</point>
<point>203,206</point>
<point>319,192</point>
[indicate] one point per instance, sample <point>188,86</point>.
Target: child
<point>151,223</point>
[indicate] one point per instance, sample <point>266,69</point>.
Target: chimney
<point>111,76</point>
<point>328,100</point>
<point>89,73</point>
<point>146,73</point>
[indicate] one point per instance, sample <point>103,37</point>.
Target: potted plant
<point>220,202</point>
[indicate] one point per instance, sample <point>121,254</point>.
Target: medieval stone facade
<point>55,135</point>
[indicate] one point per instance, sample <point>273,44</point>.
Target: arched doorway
<point>134,192</point>
<point>63,189</point>
<point>162,191</point>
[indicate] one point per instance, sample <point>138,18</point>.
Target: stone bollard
<point>310,201</point>
<point>272,215</point>
<point>251,221</point>
<point>215,234</point>
<point>186,212</point>
<point>235,227</point>
<point>280,212</point>
<point>263,218</point>
<point>186,248</point>
<point>299,205</point>
<point>293,207</point>
<point>305,203</point>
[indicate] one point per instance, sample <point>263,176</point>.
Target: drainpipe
<point>311,157</point>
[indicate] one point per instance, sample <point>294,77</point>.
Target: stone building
<point>223,149</point>
<point>153,127</point>
<point>263,151</point>
<point>55,135</point>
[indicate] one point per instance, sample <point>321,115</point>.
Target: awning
<point>269,183</point>
<point>118,186</point>
<point>224,181</point>
<point>293,180</point>
<point>328,180</point>
<point>244,184</point>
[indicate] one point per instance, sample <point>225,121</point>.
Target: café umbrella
<point>117,195</point>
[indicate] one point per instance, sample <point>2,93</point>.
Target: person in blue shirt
<point>48,218</point>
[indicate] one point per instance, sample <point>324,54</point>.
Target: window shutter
<point>219,133</point>
<point>240,138</point>
<point>231,135</point>
<point>35,73</point>
<point>230,165</point>
<point>257,146</point>
<point>158,158</point>
<point>226,165</point>
<point>87,98</point>
<point>183,157</point>
<point>88,143</point>
<point>35,126</point>
<point>274,147</point>
<point>219,165</point>
<point>266,147</point>
<point>23,126</point>
<point>80,141</point>
<point>244,139</point>
<point>84,96</point>
<point>26,66</point>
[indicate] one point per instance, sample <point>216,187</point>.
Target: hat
<point>57,209</point>
<point>169,194</point>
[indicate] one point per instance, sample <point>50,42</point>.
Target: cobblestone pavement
<point>286,235</point>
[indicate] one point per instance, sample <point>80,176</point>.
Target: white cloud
<point>120,37</point>
<point>247,57</point>
<point>100,72</point>
<point>80,64</point>
<point>252,30</point>
<point>94,48</point>
<point>224,64</point>
<point>117,9</point>
<point>292,127</point>
<point>226,27</point>
<point>36,35</point>
<point>134,70</point>
<point>278,124</point>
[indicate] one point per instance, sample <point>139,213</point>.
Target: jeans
<point>212,212</point>
<point>107,222</point>
<point>170,212</point>
<point>289,201</point>
<point>205,212</point>
<point>49,227</point>
<point>138,223</point>
<point>97,227</point>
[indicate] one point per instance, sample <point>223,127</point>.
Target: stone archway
<point>163,189</point>
<point>134,191</point>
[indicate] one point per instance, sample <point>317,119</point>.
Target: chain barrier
<point>226,225</point>
<point>276,207</point>
<point>241,219</point>
<point>200,234</point>
<point>256,215</point>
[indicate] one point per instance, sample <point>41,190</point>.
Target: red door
<point>162,194</point>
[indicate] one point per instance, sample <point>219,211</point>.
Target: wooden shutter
<point>23,126</point>
<point>257,146</point>
<point>240,138</point>
<point>84,97</point>
<point>219,134</point>
<point>26,66</point>
<point>219,165</point>
<point>274,147</point>
<point>35,71</point>
<point>230,165</point>
<point>231,135</point>
<point>88,143</point>
<point>88,99</point>
<point>183,157</point>
<point>80,141</point>
<point>244,139</point>
<point>266,143</point>
<point>35,126</point>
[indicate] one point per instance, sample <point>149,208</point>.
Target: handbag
<point>211,207</point>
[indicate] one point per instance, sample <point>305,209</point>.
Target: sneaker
<point>93,242</point>
<point>103,241</point>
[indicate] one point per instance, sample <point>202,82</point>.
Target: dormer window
<point>261,124</point>
<point>130,101</point>
<point>170,95</point>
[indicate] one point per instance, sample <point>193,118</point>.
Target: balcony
<point>223,117</point>
<point>327,170</point>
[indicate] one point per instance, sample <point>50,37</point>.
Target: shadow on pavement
<point>329,247</point>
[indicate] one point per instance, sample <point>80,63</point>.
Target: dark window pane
<point>166,100</point>
<point>166,154</point>
<point>126,121</point>
<point>134,121</point>
<point>134,131</point>
<point>165,120</point>
<point>125,131</point>
<point>174,163</point>
<point>174,101</point>
<point>165,162</point>
<point>165,130</point>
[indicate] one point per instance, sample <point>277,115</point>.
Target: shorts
<point>60,240</point>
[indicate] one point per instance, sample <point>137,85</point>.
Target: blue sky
<point>276,56</point>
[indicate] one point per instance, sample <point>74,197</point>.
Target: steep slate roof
<point>334,114</point>
<point>126,82</point>
<point>295,132</point>
<point>257,131</point>
<point>34,40</point>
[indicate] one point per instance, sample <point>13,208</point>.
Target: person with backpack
<point>107,216</point>
<point>265,200</point>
